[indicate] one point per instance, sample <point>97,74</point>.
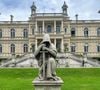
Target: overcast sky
<point>20,9</point>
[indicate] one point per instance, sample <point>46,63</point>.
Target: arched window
<point>86,48</point>
<point>73,48</point>
<point>25,48</point>
<point>12,48</point>
<point>25,33</point>
<point>12,33</point>
<point>73,32</point>
<point>98,31</point>
<point>0,33</point>
<point>49,29</point>
<point>86,32</point>
<point>0,48</point>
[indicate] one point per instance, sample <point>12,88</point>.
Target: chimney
<point>76,17</point>
<point>11,18</point>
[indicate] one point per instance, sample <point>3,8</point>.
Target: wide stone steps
<point>63,60</point>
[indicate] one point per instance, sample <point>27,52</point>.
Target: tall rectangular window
<point>65,30</point>
<point>0,48</point>
<point>73,32</point>
<point>12,48</point>
<point>73,48</point>
<point>57,29</point>
<point>58,45</point>
<point>40,29</point>
<point>25,33</point>
<point>49,29</point>
<point>98,32</point>
<point>0,33</point>
<point>86,33</point>
<point>86,48</point>
<point>25,48</point>
<point>98,48</point>
<point>33,31</point>
<point>12,33</point>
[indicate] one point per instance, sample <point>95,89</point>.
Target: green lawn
<point>74,79</point>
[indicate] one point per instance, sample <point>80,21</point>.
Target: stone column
<point>35,44</point>
<point>69,47</point>
<point>62,31</point>
<point>62,45</point>
<point>43,27</point>
<point>69,29</point>
<point>36,31</point>
<point>54,27</point>
<point>30,30</point>
<point>55,41</point>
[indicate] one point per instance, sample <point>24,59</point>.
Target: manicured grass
<point>74,78</point>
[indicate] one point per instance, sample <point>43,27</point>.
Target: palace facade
<point>76,36</point>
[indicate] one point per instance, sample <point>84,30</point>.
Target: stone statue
<point>46,56</point>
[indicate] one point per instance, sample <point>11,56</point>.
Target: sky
<point>20,9</point>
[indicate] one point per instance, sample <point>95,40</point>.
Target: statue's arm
<point>38,50</point>
<point>51,51</point>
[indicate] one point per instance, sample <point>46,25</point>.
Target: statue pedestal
<point>47,85</point>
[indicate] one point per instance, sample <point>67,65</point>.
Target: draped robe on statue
<point>50,58</point>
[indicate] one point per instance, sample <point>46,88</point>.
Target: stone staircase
<point>72,60</point>
<point>26,60</point>
<point>63,60</point>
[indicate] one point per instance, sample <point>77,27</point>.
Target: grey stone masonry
<point>47,85</point>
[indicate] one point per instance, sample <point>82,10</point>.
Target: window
<point>86,32</point>
<point>57,29</point>
<point>73,32</point>
<point>73,48</point>
<point>49,29</point>
<point>12,33</point>
<point>98,32</point>
<point>98,48</point>
<point>25,48</point>
<point>0,48</point>
<point>0,33</point>
<point>25,33</point>
<point>58,45</point>
<point>12,48</point>
<point>86,48</point>
<point>65,30</point>
<point>40,29</point>
<point>33,31</point>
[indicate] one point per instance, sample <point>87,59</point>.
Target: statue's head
<point>46,39</point>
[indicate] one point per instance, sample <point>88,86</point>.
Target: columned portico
<point>58,42</point>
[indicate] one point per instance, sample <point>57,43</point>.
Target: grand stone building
<point>76,36</point>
